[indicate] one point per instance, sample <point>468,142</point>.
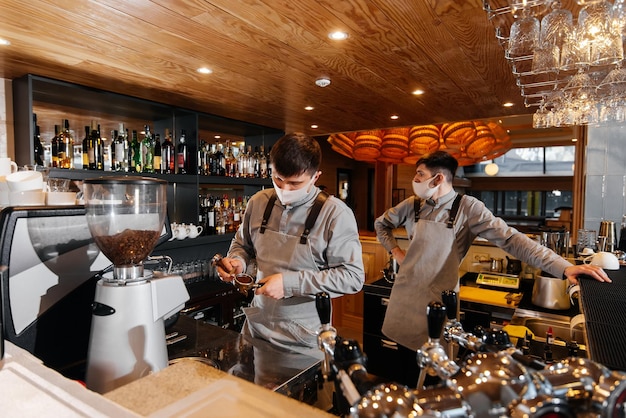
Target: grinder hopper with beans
<point>125,216</point>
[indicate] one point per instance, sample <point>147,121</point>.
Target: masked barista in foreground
<point>441,225</point>
<point>294,264</point>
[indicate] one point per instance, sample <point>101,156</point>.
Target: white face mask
<point>288,197</point>
<point>422,190</point>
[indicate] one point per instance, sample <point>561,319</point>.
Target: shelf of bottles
<point>126,151</point>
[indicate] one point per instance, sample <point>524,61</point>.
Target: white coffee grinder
<point>125,216</point>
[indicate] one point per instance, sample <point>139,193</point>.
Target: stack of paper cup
<point>6,167</point>
<point>26,188</point>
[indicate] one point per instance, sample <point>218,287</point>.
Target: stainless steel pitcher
<point>607,230</point>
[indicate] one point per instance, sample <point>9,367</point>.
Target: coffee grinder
<point>125,216</point>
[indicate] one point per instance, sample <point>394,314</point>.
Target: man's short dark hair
<point>295,154</point>
<point>440,162</point>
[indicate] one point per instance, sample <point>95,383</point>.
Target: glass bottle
<point>38,147</point>
<point>219,219</point>
<point>211,165</point>
<point>210,216</point>
<point>220,161</point>
<point>96,157</point>
<point>136,161</point>
<point>201,158</point>
<point>147,151</point>
<point>120,162</point>
<point>108,150</point>
<point>86,148</point>
<point>54,146</point>
<point>66,146</point>
<point>168,154</point>
<point>157,153</point>
<point>182,154</point>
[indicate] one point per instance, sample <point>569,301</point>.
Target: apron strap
<point>417,205</point>
<point>313,214</point>
<point>455,210</point>
<point>268,212</point>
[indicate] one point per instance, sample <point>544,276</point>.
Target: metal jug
<point>496,265</point>
<point>607,229</point>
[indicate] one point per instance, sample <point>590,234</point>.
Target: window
<point>525,162</point>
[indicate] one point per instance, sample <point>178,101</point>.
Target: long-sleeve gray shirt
<point>473,220</point>
<point>334,242</point>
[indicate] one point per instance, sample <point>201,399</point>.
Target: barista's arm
<point>401,215</point>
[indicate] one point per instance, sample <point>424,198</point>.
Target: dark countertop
<point>254,360</point>
<point>604,307</point>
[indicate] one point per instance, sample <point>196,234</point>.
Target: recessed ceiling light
<point>217,136</point>
<point>418,92</point>
<point>4,42</point>
<point>574,139</point>
<point>308,108</point>
<point>507,104</point>
<point>204,70</point>
<point>322,82</point>
<point>394,117</point>
<point>314,126</point>
<point>338,35</point>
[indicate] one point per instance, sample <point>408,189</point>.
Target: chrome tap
<point>432,357</point>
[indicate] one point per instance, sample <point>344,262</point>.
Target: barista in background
<point>438,241</point>
<point>292,272</point>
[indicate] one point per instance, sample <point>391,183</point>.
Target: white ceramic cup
<point>194,230</point>
<point>25,180</point>
<point>606,260</point>
<point>60,198</point>
<point>27,198</point>
<point>7,166</point>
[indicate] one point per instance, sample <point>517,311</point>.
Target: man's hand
<point>228,268</point>
<point>399,254</point>
<point>272,286</point>
<point>595,272</point>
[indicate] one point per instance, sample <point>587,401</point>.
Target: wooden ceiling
<point>267,54</point>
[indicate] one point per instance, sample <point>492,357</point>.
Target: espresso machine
<point>125,216</point>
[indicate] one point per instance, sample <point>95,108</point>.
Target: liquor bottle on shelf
<point>219,218</point>
<point>54,146</point>
<point>108,150</point>
<point>252,161</point>
<point>242,161</point>
<point>220,161</point>
<point>182,154</point>
<point>210,216</point>
<point>157,153</point>
<point>38,157</point>
<point>86,148</point>
<point>66,146</point>
<point>258,157</point>
<point>266,167</point>
<point>136,161</point>
<point>147,151</point>
<point>120,160</point>
<point>202,151</point>
<point>264,163</point>
<point>168,154</point>
<point>96,157</point>
<point>236,209</point>
<point>211,165</point>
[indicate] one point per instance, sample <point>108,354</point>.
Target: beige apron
<point>291,323</point>
<point>431,265</point>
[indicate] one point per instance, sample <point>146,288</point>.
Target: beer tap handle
<point>435,315</point>
<point>323,306</point>
<point>450,300</point>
